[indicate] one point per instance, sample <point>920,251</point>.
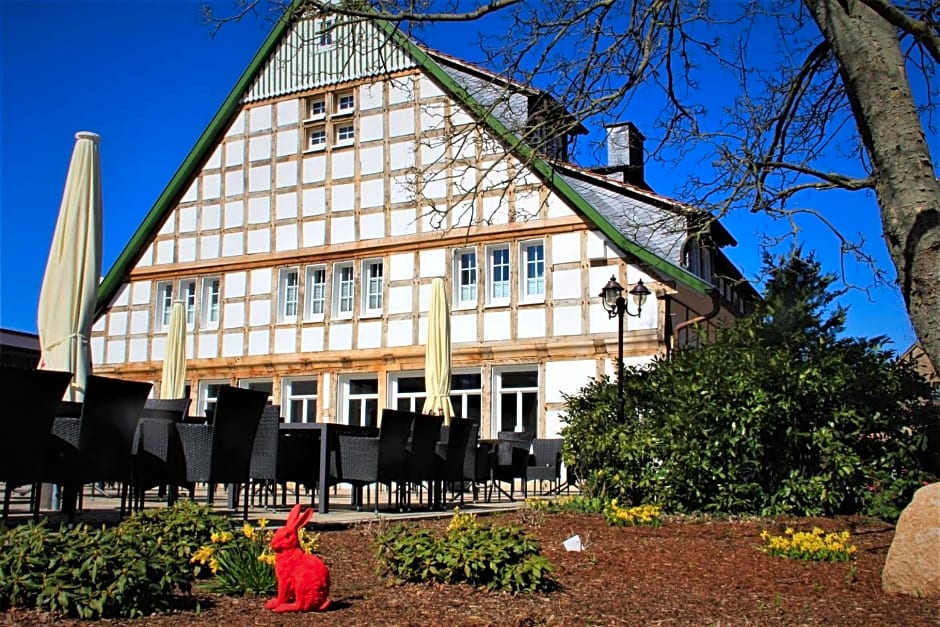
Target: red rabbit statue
<point>303,580</point>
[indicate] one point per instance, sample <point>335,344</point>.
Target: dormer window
<point>697,258</point>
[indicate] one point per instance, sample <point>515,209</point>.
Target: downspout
<point>716,307</point>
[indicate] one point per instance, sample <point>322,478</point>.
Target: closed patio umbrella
<point>173,384</point>
<point>69,286</point>
<point>437,355</point>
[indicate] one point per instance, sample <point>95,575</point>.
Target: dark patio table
<point>329,433</point>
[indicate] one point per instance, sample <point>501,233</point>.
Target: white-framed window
<point>465,269</point>
<point>359,400</point>
<point>345,134</point>
<point>211,302</point>
<point>188,296</point>
<point>516,398</point>
<point>316,292</point>
<point>316,107</point>
<point>288,299</point>
<point>164,305</point>
<point>316,138</point>
<point>373,286</point>
<point>533,270</point>
<point>344,289</point>
<point>407,391</point>
<point>325,33</point>
<point>263,385</point>
<point>498,286</point>
<point>300,400</point>
<point>466,394</point>
<point>345,103</point>
<point>208,395</point>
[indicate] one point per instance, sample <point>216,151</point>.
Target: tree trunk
<point>872,68</point>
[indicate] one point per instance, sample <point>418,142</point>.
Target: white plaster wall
<point>424,297</point>
<point>97,350</point>
<point>597,246</point>
<point>372,193</point>
<point>209,247</point>
<point>566,248</point>
<point>207,345</point>
<point>259,118</point>
<point>286,237</point>
<point>370,127</point>
<point>115,351</point>
<point>340,337</point>
<point>101,324</point>
<point>342,230</point>
<point>566,284</point>
<point>567,377</point>
<point>531,322</point>
<point>158,348</point>
<point>433,262</point>
<point>259,178</point>
<point>553,425</point>
<point>432,150</point>
<point>370,335</point>
<point>259,210</point>
<point>314,169</point>
<point>139,294</point>
<point>285,340</point>
<point>234,183</point>
<point>288,142</point>
<point>402,189</point>
<point>258,342</point>
<point>187,219</point>
<point>211,186</point>
<point>371,96</point>
<point>463,328</point>
<point>343,165</point>
<point>401,267</point>
<point>496,209</point>
<point>187,249</point>
<point>399,333</point>
<point>496,326</point>
<point>285,174</point>
<point>288,112</point>
<point>234,284</point>
<point>137,349</point>
<point>401,122</point>
<point>192,194</point>
<point>463,214</point>
<point>147,258</point>
<point>372,226</point>
<point>567,320</point>
<point>234,153</point>
<point>233,244</point>
<point>234,315</point>
<point>117,323</point>
<point>401,90</point>
<point>211,217</point>
<point>432,116</point>
<point>399,299</point>
<point>404,223</point>
<point>314,233</point>
<point>599,321</point>
<point>597,278</point>
<point>259,241</point>
<point>167,228</point>
<point>259,312</point>
<point>233,344</point>
<point>140,321</point>
<point>371,160</point>
<point>215,159</point>
<point>260,281</point>
<point>423,330</point>
<point>286,206</point>
<point>311,339</point>
<point>314,202</point>
<point>344,198</point>
<point>165,251</point>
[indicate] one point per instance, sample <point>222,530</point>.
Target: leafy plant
<point>577,503</point>
<point>815,545</point>
<point>494,557</point>
<point>640,515</point>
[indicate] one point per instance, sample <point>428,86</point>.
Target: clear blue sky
<point>126,69</point>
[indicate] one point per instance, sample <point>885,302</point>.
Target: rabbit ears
<point>296,520</point>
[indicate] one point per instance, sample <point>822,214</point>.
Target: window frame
<point>373,302</point>
<point>283,294</point>
<point>525,264</point>
<point>318,99</point>
<point>461,285</point>
<point>339,142</point>
<point>325,34</point>
<point>496,417</point>
<point>211,302</point>
<point>319,129</point>
<point>164,298</point>
<point>415,399</point>
<point>346,396</point>
<point>252,383</point>
<point>338,97</point>
<point>187,294</point>
<point>203,398</point>
<point>491,266</point>
<point>314,292</point>
<point>289,398</point>
<point>339,282</point>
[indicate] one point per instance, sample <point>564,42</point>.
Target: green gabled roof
<point>231,106</point>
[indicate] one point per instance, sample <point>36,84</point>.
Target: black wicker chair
<point>158,455</point>
<point>450,458</point>
<point>478,464</point>
<point>512,460</point>
<point>264,455</point>
<point>422,458</point>
<point>545,465</point>
<point>97,447</point>
<point>31,399</point>
<point>221,452</point>
<point>298,462</point>
<point>361,461</point>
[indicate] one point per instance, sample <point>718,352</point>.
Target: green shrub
<point>494,557</point>
<point>578,503</point>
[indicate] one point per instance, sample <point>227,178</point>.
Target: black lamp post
<point>616,306</point>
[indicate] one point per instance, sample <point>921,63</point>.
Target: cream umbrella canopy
<point>69,286</point>
<point>173,384</point>
<point>437,355</point>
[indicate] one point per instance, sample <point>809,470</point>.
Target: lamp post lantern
<point>616,307</point>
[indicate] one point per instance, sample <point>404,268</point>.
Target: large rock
<point>913,562</point>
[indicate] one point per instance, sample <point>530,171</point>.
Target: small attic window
<point>325,33</point>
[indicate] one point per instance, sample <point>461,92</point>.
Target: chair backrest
<point>170,408</point>
<point>470,459</point>
<point>456,450</point>
<point>393,442</point>
<point>547,453</point>
<point>235,423</point>
<point>30,402</point>
<point>425,433</point>
<point>264,450</point>
<point>509,440</point>
<point>110,413</point>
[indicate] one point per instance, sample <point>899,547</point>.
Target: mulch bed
<point>683,573</point>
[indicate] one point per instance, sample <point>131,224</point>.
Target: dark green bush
<point>490,556</point>
<point>777,414</point>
